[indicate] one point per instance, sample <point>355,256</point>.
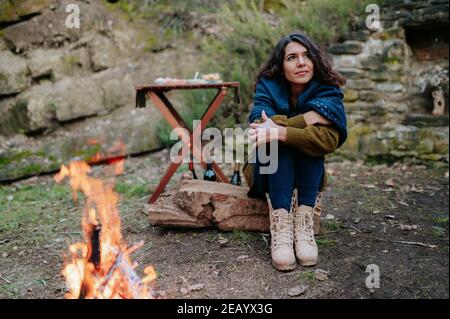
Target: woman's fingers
<point>319,118</point>
<point>264,116</point>
<point>326,121</point>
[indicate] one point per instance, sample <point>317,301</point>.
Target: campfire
<point>101,267</point>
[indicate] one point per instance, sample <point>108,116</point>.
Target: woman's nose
<point>301,61</point>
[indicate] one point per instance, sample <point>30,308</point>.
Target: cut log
<point>198,203</point>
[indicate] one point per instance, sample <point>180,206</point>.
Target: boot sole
<point>307,263</point>
<point>284,267</point>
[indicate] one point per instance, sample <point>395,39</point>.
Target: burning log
<point>101,267</point>
<point>197,203</point>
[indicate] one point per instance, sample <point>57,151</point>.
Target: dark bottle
<point>236,178</point>
<point>191,169</point>
<point>209,173</point>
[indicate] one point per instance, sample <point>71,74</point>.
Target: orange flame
<point>101,267</point>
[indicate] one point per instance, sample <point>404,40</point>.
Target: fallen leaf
<point>370,186</point>
<point>297,290</point>
<point>376,212</point>
<point>242,257</point>
<point>389,216</point>
<point>416,190</point>
<point>402,203</point>
<point>357,220</point>
<point>329,217</point>
<point>407,227</point>
<point>321,274</point>
<point>222,240</point>
<point>196,287</point>
<point>183,290</point>
<point>390,182</point>
<point>161,293</point>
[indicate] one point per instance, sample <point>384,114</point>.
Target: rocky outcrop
<point>16,11</point>
<point>93,139</point>
<point>388,96</point>
<point>13,73</point>
<point>69,93</point>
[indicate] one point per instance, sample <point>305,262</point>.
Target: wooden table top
<point>179,86</point>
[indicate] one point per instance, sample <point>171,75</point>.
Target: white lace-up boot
<point>304,242</point>
<point>282,238</point>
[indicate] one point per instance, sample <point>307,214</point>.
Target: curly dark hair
<point>323,71</point>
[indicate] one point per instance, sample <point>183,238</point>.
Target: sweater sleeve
<point>297,121</point>
<point>314,140</point>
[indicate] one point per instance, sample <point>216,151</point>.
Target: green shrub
<point>249,34</point>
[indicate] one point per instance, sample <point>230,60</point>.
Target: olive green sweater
<point>312,140</point>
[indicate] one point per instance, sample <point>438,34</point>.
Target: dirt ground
<point>395,217</point>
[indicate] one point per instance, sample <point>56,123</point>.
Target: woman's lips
<point>301,73</point>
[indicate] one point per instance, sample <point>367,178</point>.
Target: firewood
<point>198,203</point>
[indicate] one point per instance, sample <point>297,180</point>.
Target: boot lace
<point>282,231</point>
<point>303,226</point>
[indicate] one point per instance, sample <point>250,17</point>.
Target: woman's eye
<point>290,58</point>
<point>307,55</point>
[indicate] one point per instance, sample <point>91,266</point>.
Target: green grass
<point>325,242</point>
<point>28,206</point>
<point>438,231</point>
<point>31,209</point>
<point>9,291</point>
<point>15,157</point>
<point>441,219</point>
<point>332,225</point>
<point>240,236</point>
<point>132,190</point>
<point>308,276</point>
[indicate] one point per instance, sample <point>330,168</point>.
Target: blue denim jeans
<point>295,170</point>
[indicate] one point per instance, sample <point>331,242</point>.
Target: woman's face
<point>297,65</point>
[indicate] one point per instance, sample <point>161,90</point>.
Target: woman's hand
<point>267,131</point>
<point>312,117</point>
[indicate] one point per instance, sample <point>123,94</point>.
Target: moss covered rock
<point>13,73</point>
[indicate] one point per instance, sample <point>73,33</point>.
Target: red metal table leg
<point>175,120</point>
<point>206,117</point>
<point>169,173</point>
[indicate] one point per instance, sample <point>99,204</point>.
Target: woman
<point>297,96</point>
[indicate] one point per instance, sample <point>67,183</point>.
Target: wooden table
<point>156,94</point>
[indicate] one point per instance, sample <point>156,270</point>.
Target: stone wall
<point>69,93</point>
<point>61,89</point>
<point>391,74</point>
